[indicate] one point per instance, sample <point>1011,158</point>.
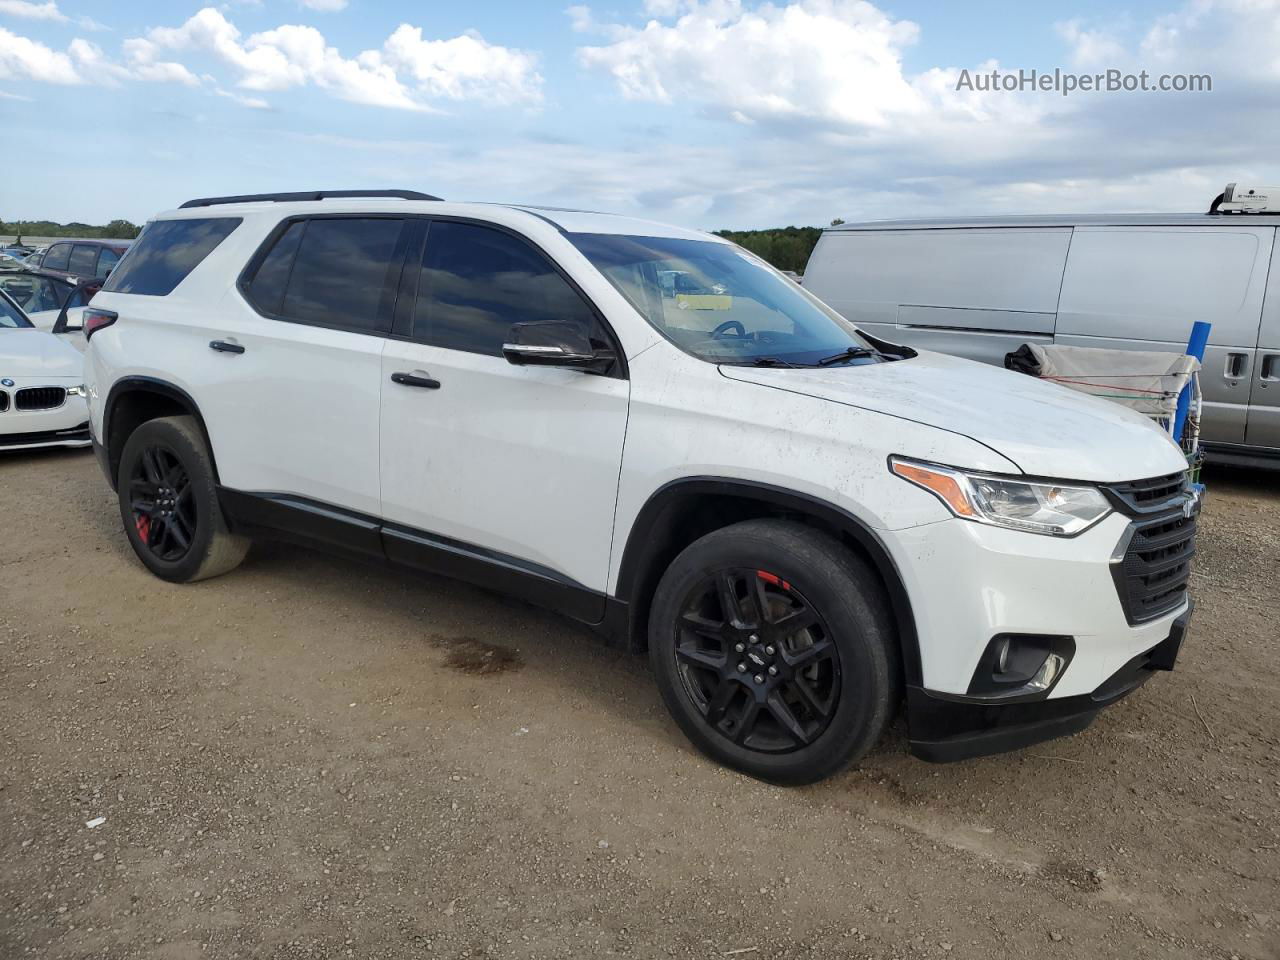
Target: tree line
<point>787,248</point>
<point>115,230</point>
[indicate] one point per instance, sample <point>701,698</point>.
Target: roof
<point>1069,220</point>
<point>567,221</point>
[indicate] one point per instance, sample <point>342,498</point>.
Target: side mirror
<point>554,343</point>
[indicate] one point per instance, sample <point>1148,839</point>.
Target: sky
<point>707,113</point>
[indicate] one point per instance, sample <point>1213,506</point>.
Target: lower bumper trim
<point>944,729</point>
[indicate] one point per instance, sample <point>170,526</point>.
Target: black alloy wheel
<point>164,512</point>
<point>757,660</point>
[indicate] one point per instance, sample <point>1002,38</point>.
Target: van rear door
<point>1264,408</point>
<point>1142,287</point>
<point>970,292</point>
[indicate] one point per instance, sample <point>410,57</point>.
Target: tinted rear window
<point>84,260</point>
<point>344,273</point>
<point>166,252</point>
<point>106,261</point>
<point>266,289</point>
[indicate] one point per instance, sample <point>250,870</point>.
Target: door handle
<point>1270,371</point>
<point>225,346</point>
<point>413,380</point>
<point>1236,367</point>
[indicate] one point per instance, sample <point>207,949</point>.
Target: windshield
<point>35,293</point>
<point>720,303</point>
<point>10,315</point>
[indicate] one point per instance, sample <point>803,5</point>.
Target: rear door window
<point>476,282</point>
<point>84,260</point>
<point>107,261</point>
<point>166,253</point>
<point>57,256</point>
<point>345,273</point>
<point>266,289</point>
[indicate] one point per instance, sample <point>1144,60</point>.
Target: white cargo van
<point>979,288</point>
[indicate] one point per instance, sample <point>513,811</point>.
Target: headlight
<point>1056,509</point>
<point>79,391</point>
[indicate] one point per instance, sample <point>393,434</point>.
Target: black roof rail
<point>307,195</point>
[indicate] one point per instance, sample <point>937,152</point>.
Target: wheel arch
<point>133,401</point>
<point>684,510</point>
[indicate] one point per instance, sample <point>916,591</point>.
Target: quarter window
<point>166,252</point>
<point>476,282</point>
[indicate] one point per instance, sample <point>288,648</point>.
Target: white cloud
<point>27,59</point>
<point>461,68</point>
<point>464,68</point>
<point>325,6</point>
<point>253,103</point>
<point>33,11</point>
<point>837,60</point>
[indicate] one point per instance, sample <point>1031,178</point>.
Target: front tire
<point>169,503</point>
<point>774,650</point>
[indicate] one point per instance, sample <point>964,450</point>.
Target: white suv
<point>656,433</point>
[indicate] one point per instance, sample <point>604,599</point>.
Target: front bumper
<point>944,729</point>
<point>64,425</point>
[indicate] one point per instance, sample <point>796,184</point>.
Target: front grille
<point>4,401</point>
<point>1152,572</point>
<point>39,398</point>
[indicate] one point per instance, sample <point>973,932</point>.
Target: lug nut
<point>759,679</point>
<point>742,668</point>
<point>769,650</point>
<point>753,638</point>
<point>773,671</point>
<point>739,647</point>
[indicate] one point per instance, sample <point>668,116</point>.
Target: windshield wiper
<point>771,362</point>
<point>850,353</point>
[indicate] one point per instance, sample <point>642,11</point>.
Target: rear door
<point>1142,288</point>
<point>1264,410</point>
<point>970,292</point>
<point>480,458</point>
<point>293,361</point>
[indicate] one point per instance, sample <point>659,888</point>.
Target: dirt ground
<point>311,757</point>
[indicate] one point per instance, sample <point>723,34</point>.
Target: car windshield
<point>35,293</point>
<point>10,316</point>
<point>722,304</point>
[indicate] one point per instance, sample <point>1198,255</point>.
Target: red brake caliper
<point>773,578</point>
<point>144,528</point>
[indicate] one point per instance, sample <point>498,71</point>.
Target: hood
<point>1046,429</point>
<point>25,352</point>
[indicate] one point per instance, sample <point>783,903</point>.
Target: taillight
<point>95,319</point>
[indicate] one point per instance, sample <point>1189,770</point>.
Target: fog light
<point>1016,665</point>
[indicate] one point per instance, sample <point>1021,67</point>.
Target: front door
<point>483,460</point>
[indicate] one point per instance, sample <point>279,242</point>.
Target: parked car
<point>82,259</point>
<point>981,287</point>
<point>42,396</point>
<point>10,262</point>
<point>801,522</point>
<point>52,303</point>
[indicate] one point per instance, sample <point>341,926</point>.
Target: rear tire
<point>790,696</point>
<point>169,503</point>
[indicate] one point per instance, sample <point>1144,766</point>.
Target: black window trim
<point>619,371</point>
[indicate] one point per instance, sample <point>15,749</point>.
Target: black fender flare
<point>152,385</point>
<point>662,509</point>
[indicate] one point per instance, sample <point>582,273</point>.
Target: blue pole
<point>1195,348</point>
